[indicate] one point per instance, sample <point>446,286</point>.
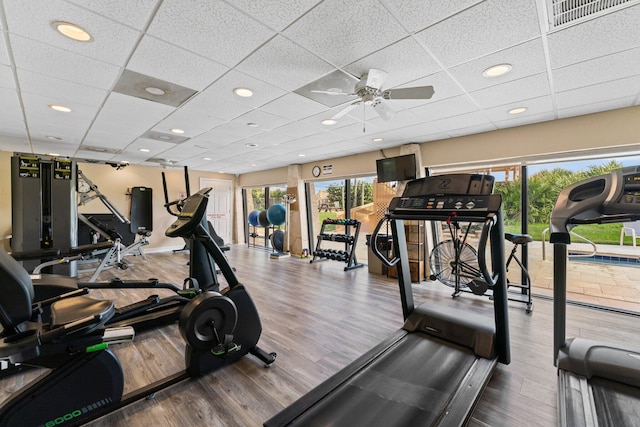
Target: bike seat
<point>518,239</point>
<point>71,309</point>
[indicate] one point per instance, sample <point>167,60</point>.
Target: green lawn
<point>606,234</point>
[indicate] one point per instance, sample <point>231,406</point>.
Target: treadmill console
<point>610,198</point>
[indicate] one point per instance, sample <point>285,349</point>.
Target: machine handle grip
<point>482,251</point>
<point>374,247</point>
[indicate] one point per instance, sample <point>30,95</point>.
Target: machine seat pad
<point>90,248</point>
<point>518,239</point>
<point>71,309</point>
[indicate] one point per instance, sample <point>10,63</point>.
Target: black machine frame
<point>598,382</point>
<point>362,392</point>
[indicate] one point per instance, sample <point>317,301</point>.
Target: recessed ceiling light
<point>301,155</point>
<point>253,165</point>
<point>377,139</point>
<point>252,125</point>
<point>251,144</point>
<point>220,171</point>
<point>206,158</point>
<point>72,31</point>
<point>518,110</point>
<point>243,92</point>
<point>154,90</point>
<point>53,154</point>
<point>55,138</point>
<point>329,122</point>
<point>178,131</point>
<point>165,137</point>
<point>60,108</point>
<point>145,150</point>
<point>497,70</point>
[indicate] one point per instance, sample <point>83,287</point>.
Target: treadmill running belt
<point>408,385</point>
<point>616,404</point>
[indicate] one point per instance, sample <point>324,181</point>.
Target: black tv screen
<point>399,168</point>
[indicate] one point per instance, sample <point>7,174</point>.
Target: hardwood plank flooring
<point>318,318</point>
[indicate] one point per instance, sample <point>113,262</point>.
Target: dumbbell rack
<point>348,255</point>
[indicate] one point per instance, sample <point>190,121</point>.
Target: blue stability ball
<point>253,218</point>
<point>276,214</point>
<point>262,219</point>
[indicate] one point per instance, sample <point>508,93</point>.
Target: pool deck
<point>610,284</point>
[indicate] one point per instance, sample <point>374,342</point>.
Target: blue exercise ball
<point>263,220</point>
<point>276,214</point>
<point>253,218</point>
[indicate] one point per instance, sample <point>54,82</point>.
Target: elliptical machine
<point>86,380</point>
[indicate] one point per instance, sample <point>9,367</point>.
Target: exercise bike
<point>454,262</point>
<point>85,379</point>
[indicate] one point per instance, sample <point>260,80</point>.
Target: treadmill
<point>598,383</point>
<point>434,369</point>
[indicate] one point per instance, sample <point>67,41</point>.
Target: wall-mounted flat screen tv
<point>399,168</point>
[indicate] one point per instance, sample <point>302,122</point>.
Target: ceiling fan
<point>369,91</point>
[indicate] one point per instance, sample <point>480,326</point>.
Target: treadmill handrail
<point>389,262</point>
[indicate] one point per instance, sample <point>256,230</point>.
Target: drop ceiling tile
<point>41,118</point>
<point>284,64</point>
<point>446,108</point>
<point>112,42</point>
<point>596,107</point>
<point>159,59</point>
<point>487,127</point>
<point>599,70</point>
<point>6,78</point>
<point>60,91</point>
<point>46,147</point>
<point>404,61</point>
<point>209,104</point>
<point>106,137</point>
<point>415,15</point>
<point>534,106</point>
<point>184,151</point>
<point>154,146</point>
<point>188,119</point>
<point>490,26</point>
<point>264,121</point>
<point>355,130</point>
<point>276,14</point>
<point>526,59</point>
<point>128,116</point>
<point>132,13</point>
<point>11,119</point>
<point>92,155</point>
<point>299,130</point>
<point>239,129</point>
<point>513,91</point>
<point>463,121</point>
<point>597,37</point>
<point>214,138</point>
<point>401,119</point>
<point>4,56</point>
<point>221,93</point>
<point>212,29</point>
<point>14,142</point>
<point>294,107</point>
<point>43,59</point>
<point>130,157</point>
<point>602,92</point>
<point>526,119</point>
<point>268,139</point>
<point>339,31</point>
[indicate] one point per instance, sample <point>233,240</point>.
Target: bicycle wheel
<point>445,267</point>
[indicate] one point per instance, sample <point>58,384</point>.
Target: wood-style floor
<point>318,318</point>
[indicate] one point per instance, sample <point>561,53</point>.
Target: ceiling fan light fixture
<point>329,122</point>
<point>518,110</point>
<point>60,108</point>
<point>497,70</point>
<point>243,92</point>
<point>72,31</point>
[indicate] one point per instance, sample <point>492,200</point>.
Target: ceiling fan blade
<point>328,92</point>
<point>376,78</point>
<point>418,92</point>
<point>346,110</point>
<point>384,111</point>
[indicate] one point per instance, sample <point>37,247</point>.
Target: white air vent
<point>564,13</point>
